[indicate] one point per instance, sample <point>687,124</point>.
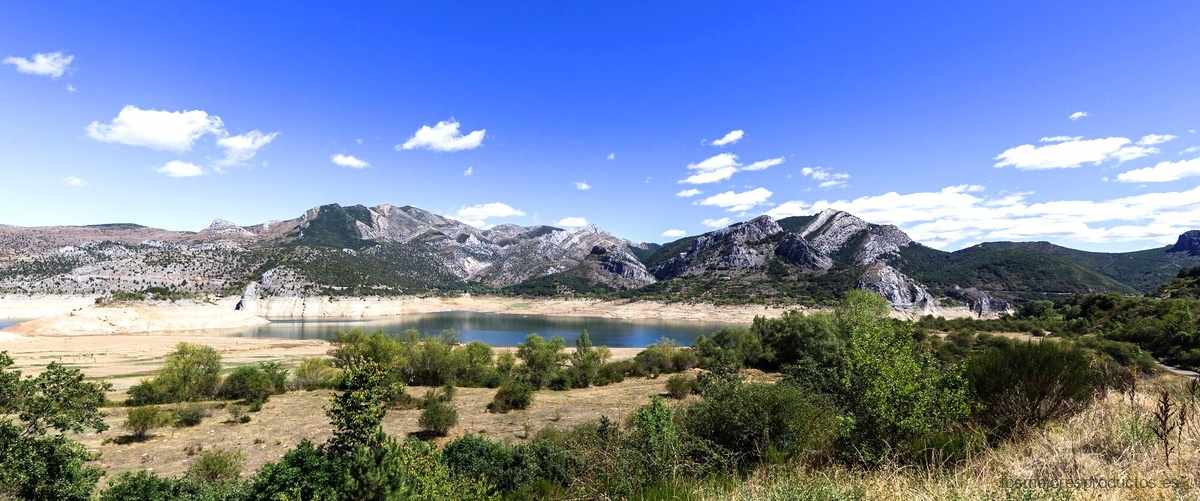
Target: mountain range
<point>386,249</point>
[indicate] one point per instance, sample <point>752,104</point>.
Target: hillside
<point>389,250</point>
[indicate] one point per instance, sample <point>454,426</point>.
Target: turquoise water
<point>501,329</point>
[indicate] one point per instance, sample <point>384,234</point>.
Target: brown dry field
<point>287,419</point>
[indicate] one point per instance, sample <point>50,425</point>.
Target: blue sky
<point>952,121</point>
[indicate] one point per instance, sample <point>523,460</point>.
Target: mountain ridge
<point>401,249</point>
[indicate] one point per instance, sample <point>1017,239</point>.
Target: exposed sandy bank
<point>134,318</point>
<point>25,307</point>
<point>376,307</point>
<point>124,359</point>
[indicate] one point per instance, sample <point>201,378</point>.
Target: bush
<point>903,402</point>
<point>612,372</point>
<point>662,357</point>
<point>473,456</point>
<point>314,374</point>
<point>142,420</point>
<point>755,419</point>
<point>561,381</point>
<point>237,414</point>
<point>679,386</point>
<point>249,383</point>
<point>586,362</point>
<point>732,346</point>
<point>389,470</point>
<point>189,415</point>
<point>513,394</point>
<point>438,417</point>
<point>1025,385</point>
<point>147,486</point>
<point>542,359</point>
<point>191,373</point>
<point>216,466</point>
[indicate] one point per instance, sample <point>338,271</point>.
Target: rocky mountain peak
<point>1188,242</point>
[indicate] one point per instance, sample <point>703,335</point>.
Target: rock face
<point>1188,242</point>
<point>740,246</point>
<point>897,288</point>
<point>980,302</point>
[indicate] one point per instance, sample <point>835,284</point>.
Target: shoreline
<point>72,316</point>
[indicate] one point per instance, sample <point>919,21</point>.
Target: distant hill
<point>386,249</point>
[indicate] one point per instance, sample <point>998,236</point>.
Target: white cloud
<point>242,147</point>
<point>826,178</point>
<point>1162,172</point>
<point>715,162</point>
<point>477,215</point>
<point>1078,115</point>
<point>712,176</point>
<point>730,137</point>
<point>717,223</point>
<point>1153,139</point>
<point>350,161</point>
<point>957,216</point>
<point>470,171</point>
<point>764,164</point>
<point>1190,149</point>
<point>1060,139</point>
<point>359,140</point>
<point>179,168</point>
<point>157,129</point>
<point>51,64</point>
<point>612,156</point>
<point>688,193</point>
<point>738,202</point>
<point>71,88</point>
<point>582,186</point>
<point>572,222</point>
<point>723,166</point>
<point>74,182</point>
<point>673,233</point>
<point>443,137</point>
<point>1067,153</point>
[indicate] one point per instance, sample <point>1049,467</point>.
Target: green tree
<point>586,361</point>
<point>36,460</point>
<point>542,358</point>
<point>357,411</point>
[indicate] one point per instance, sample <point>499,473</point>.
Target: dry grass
<point>287,419</point>
<point>1111,441</point>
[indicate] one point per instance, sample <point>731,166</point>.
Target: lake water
<point>501,329</point>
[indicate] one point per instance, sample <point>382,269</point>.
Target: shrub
<point>191,372</point>
<point>755,419</point>
<point>216,466</point>
<point>142,420</point>
<point>586,362</point>
<point>612,372</point>
<point>561,381</point>
<point>1027,384</point>
<point>473,456</point>
<point>438,417</point>
<point>389,470</point>
<point>189,415</point>
<point>313,374</point>
<point>732,346</point>
<point>237,414</point>
<point>147,486</point>
<point>542,359</point>
<point>249,383</point>
<point>513,394</point>
<point>664,356</point>
<point>679,386</point>
<point>278,374</point>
